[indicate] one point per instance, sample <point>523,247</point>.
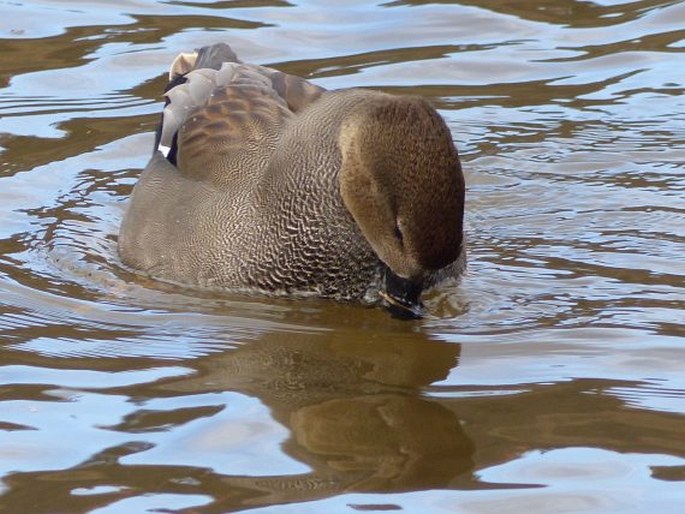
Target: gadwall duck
<point>263,181</point>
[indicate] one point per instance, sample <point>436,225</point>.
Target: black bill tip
<point>402,297</point>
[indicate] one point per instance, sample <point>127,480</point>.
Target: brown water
<point>551,381</point>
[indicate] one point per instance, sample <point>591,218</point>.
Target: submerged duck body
<point>262,181</point>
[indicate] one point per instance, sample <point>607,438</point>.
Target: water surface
<point>551,380</point>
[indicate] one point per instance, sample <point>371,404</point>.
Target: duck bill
<point>402,297</point>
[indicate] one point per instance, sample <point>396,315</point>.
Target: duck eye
<point>398,234</point>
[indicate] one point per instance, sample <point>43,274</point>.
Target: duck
<point>264,182</point>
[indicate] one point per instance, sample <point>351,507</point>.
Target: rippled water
<point>552,380</point>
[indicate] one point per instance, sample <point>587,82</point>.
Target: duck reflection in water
<point>354,409</point>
